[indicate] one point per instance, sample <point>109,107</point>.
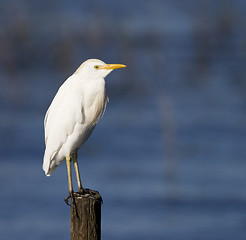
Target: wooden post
<point>85,216</point>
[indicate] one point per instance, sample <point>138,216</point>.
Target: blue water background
<point>168,157</point>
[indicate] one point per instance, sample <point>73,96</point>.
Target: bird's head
<point>97,68</point>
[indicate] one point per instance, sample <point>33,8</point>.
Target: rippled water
<point>198,194</point>
<point>168,157</point>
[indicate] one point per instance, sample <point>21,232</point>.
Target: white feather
<point>73,113</point>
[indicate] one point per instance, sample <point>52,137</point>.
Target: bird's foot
<point>72,194</point>
<point>81,191</point>
<point>84,192</point>
<point>72,202</point>
<point>66,200</point>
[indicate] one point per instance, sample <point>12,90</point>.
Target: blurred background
<point>168,157</point>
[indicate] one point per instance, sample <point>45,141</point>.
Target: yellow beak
<point>112,66</point>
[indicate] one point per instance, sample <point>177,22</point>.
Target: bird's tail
<point>46,163</point>
<point>49,163</point>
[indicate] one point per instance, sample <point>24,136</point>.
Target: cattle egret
<point>73,114</point>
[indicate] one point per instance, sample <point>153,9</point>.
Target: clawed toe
<point>71,196</point>
<point>66,200</point>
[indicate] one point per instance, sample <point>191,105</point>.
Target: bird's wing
<point>63,114</point>
<point>45,121</point>
<point>66,112</point>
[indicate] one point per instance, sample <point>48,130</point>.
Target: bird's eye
<point>96,66</point>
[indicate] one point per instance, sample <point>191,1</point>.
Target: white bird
<point>73,114</point>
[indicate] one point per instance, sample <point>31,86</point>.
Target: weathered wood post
<point>85,216</point>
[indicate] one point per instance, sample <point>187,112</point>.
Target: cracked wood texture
<point>86,223</point>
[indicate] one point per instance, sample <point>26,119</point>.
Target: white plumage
<point>74,111</point>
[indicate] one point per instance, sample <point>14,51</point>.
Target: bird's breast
<point>95,103</point>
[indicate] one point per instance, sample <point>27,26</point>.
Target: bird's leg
<point>70,185</point>
<point>76,166</point>
<point>69,174</point>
